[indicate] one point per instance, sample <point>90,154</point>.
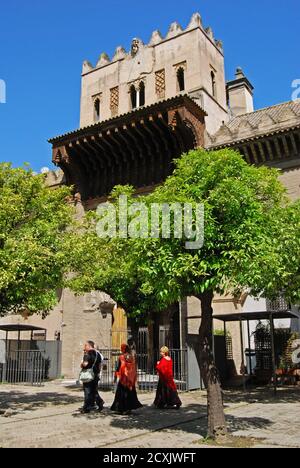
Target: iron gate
<point>24,367</point>
<point>147,375</point>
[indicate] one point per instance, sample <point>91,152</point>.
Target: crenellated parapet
<point>119,54</point>
<point>103,60</point>
<point>174,30</point>
<point>157,38</point>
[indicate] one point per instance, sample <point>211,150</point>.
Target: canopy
<point>271,316</point>
<point>255,316</point>
<point>20,328</point>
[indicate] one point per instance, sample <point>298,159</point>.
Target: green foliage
<point>251,239</point>
<point>287,247</point>
<point>33,222</point>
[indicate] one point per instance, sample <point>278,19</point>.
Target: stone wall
<point>291,179</point>
<point>82,321</point>
<point>52,324</point>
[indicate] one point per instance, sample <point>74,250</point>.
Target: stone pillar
<point>240,94</point>
<point>183,311</point>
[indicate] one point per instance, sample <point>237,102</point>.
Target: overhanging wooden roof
<point>160,106</point>
<point>136,148</point>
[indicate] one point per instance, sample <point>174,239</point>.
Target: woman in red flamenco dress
<point>126,398</point>
<point>166,395</point>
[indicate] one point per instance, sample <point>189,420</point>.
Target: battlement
<point>185,61</point>
<point>157,38</point>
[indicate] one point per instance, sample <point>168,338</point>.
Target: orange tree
<point>33,227</point>
<point>247,246</point>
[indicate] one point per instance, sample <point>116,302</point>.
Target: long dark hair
<point>132,347</point>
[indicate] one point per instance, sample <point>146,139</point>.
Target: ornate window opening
<point>138,95</point>
<point>114,101</point>
<point>181,79</point>
<point>213,84</point>
<point>142,94</point>
<point>160,83</point>
<point>133,97</point>
<point>97,109</point>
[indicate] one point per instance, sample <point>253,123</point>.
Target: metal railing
<point>24,367</point>
<point>147,375</point>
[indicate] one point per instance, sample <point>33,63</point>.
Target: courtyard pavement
<point>47,417</point>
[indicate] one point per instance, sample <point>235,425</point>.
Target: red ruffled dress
<point>126,396</point>
<point>166,395</point>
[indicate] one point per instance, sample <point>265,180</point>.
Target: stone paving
<point>47,417</point>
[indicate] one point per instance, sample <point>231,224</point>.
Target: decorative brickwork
<point>160,83</point>
<point>114,100</point>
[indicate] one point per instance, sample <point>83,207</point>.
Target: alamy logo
<point>2,92</point>
<point>296,93</point>
<point>153,221</point>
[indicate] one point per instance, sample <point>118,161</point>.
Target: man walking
<point>92,360</point>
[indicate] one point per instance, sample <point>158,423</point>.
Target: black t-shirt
<point>94,363</point>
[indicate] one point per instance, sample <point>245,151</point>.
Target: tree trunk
<point>216,417</point>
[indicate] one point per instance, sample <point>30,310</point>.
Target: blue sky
<point>43,45</point>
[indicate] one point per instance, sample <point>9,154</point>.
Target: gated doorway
<point>28,361</point>
<point>25,367</point>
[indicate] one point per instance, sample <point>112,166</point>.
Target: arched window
<point>181,79</point>
<point>142,91</point>
<point>97,109</point>
<point>213,84</point>
<point>133,97</point>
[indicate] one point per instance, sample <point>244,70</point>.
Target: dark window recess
<point>133,96</point>
<point>181,79</point>
<point>97,109</point>
<point>213,84</point>
<point>142,94</point>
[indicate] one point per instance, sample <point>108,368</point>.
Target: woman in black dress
<point>166,395</point>
<point>126,398</point>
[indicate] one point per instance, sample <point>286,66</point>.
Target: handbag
<point>88,375</point>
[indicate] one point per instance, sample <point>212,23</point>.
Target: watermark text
<point>154,221</point>
<point>296,92</point>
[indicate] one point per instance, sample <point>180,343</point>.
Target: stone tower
<point>188,61</point>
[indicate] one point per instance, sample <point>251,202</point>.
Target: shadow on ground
<point>264,395</point>
<point>191,419</point>
<point>20,401</point>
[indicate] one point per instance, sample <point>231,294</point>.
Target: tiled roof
<point>261,122</point>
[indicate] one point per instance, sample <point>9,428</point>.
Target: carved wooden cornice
<point>137,148</point>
